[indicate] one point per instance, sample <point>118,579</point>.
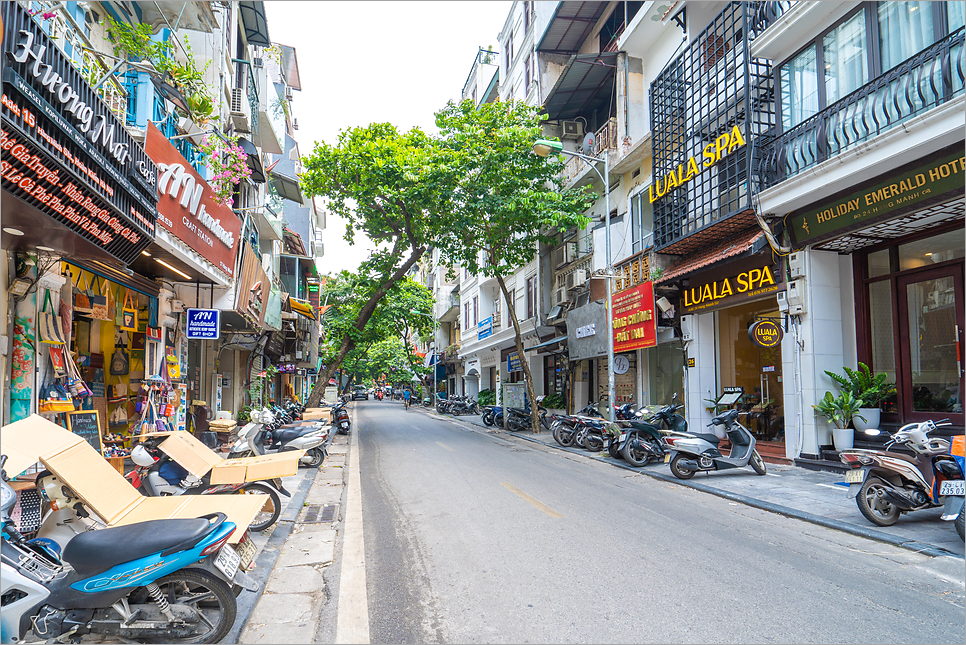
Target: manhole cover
<point>318,513</point>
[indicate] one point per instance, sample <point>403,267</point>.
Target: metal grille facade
<point>713,87</point>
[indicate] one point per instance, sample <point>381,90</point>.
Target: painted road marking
<point>830,486</point>
<point>444,446</point>
<point>772,475</point>
<point>540,505</point>
<point>352,623</point>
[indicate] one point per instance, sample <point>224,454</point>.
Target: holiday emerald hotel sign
<point>876,202</point>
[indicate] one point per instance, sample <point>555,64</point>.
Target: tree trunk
<point>534,410</point>
<point>364,315</point>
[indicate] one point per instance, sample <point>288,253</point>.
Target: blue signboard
<point>513,362</point>
<point>203,324</point>
<point>484,328</point>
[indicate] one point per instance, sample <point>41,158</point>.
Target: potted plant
<point>840,411</point>
<point>554,403</point>
<point>871,388</point>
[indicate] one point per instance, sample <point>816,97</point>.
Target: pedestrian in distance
<point>407,396</point>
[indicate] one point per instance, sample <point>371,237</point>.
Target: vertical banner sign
<point>23,355</point>
<point>635,326</point>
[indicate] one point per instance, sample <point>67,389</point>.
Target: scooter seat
<point>710,438</point>
<point>93,552</point>
<point>284,435</point>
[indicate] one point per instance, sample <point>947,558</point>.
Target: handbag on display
<point>117,392</point>
<point>154,333</point>
<point>75,382</point>
<point>119,416</point>
<point>129,313</point>
<point>120,362</point>
<point>49,324</point>
<point>82,297</point>
<point>57,361</point>
<point>99,308</point>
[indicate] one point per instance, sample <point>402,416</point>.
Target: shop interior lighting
<point>45,248</point>
<point>165,264</point>
<point>12,231</point>
<point>145,253</point>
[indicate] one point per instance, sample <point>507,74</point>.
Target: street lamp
<point>544,148</point>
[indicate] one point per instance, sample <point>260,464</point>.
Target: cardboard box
<point>314,414</point>
<point>198,459</point>
<point>103,489</point>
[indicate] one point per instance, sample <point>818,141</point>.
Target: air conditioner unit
<point>796,265</point>
<point>288,93</point>
<point>572,130</point>
<point>295,124</point>
<point>561,296</point>
<point>258,62</point>
<point>687,331</point>
<point>577,279</point>
<point>240,110</point>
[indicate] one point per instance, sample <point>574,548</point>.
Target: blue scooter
<point>159,581</point>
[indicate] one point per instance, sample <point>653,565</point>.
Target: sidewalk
<point>814,496</point>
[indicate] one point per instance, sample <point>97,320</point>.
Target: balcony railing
<point>928,79</point>
<point>167,126</point>
<point>605,140</point>
<point>766,13</point>
<point>245,81</point>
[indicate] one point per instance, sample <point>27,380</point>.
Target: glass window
<point>956,15</point>
<point>883,336</point>
<point>642,222</point>
<point>799,86</point>
<point>846,58</point>
<point>665,374</point>
<point>931,250</point>
<point>879,263</point>
<point>905,28</point>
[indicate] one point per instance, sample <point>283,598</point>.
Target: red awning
<point>721,251</point>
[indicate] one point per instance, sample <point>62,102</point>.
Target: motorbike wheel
<point>487,419</point>
<point>317,458</point>
<point>613,450</point>
<point>476,408</point>
<point>960,521</point>
<point>580,438</point>
<point>635,456</point>
<point>270,511</point>
<point>757,463</point>
<point>564,435</point>
<point>677,470</point>
<point>208,595</point>
<point>873,506</point>
<point>594,442</point>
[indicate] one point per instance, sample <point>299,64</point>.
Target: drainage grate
<point>318,513</point>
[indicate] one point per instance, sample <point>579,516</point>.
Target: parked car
<point>360,392</point>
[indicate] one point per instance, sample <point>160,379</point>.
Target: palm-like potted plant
<point>840,411</point>
<point>871,388</point>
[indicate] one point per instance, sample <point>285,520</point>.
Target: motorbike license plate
<point>955,487</point>
<point>345,424</point>
<point>667,458</point>
<point>607,443</point>
<point>623,436</point>
<point>227,562</point>
<point>855,476</point>
<point>246,552</point>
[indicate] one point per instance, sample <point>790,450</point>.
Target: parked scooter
<point>642,440</point>
<point>696,452</point>
<point>564,427</point>
<point>162,580</point>
<point>252,439</point>
<point>887,483</point>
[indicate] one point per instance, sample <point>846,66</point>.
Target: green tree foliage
<point>506,200</point>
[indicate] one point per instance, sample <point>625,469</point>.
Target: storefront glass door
<point>931,320</point>
<point>757,370</point>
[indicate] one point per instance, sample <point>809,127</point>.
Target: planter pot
<point>824,431</point>
<point>555,411</point>
<point>843,438</point>
<point>872,419</point>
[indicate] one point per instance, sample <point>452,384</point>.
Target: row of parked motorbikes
<point>167,580</point>
<point>456,405</point>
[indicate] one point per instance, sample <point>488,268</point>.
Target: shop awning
<point>552,341</point>
<point>585,85</point>
<point>133,282</point>
<point>290,67</point>
<point>302,308</point>
<point>254,23</point>
<point>570,25</point>
<point>286,187</point>
<point>750,241</point>
<point>254,161</point>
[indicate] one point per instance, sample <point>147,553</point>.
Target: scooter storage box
<point>105,491</point>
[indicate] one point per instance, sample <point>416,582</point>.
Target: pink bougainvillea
<point>228,164</point>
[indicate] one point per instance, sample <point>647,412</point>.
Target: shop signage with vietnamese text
<point>484,329</point>
<point>635,326</point>
<point>879,200</point>
<point>745,280</point>
<point>513,362</point>
<point>188,207</point>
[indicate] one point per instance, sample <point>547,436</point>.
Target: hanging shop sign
<point>484,328</point>
<point>880,200</point>
<point>188,207</point>
<point>64,152</point>
<point>747,279</point>
<point>252,286</point>
<point>203,324</point>
<point>513,362</point>
<point>766,333</point>
<point>586,330</point>
<point>712,154</point>
<point>635,326</point>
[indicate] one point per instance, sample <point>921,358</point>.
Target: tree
<point>507,200</point>
<point>387,186</point>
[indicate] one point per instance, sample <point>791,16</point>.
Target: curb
<point>838,525</point>
<point>268,557</point>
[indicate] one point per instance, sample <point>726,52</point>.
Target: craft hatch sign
<point>635,326</point>
<point>187,206</point>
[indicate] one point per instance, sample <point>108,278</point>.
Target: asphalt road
<point>473,537</point>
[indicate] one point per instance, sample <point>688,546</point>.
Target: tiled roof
<point>723,250</point>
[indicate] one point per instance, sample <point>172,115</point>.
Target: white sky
<point>364,62</point>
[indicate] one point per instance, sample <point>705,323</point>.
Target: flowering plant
<point>228,164</point>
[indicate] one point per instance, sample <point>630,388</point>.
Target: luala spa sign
<point>710,155</point>
<point>745,281</point>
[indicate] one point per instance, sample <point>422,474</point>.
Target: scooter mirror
<point>873,432</point>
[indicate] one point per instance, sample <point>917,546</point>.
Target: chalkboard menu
<point>87,424</point>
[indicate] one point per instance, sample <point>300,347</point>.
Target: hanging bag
<point>49,323</point>
<point>82,298</point>
<point>129,313</point>
<point>75,382</point>
<point>53,398</point>
<point>120,362</point>
<point>117,392</point>
<point>57,361</point>
<point>99,308</point>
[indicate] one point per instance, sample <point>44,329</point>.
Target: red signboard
<point>187,206</point>
<point>635,325</point>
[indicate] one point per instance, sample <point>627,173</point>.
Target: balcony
<point>244,98</point>
<point>167,124</point>
<point>930,78</point>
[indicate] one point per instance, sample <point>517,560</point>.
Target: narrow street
<point>473,537</point>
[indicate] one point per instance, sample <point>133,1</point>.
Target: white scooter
<point>251,440</point>
<point>693,452</point>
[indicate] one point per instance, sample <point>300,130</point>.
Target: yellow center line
<point>540,505</point>
<point>444,446</point>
